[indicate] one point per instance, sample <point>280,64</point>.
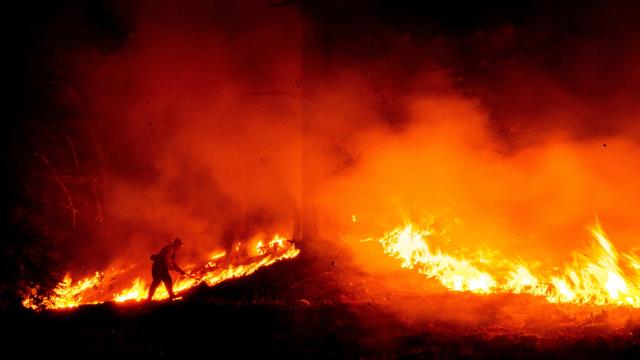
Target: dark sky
<point>524,60</point>
<point>586,48</point>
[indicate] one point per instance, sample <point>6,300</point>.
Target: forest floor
<point>294,310</point>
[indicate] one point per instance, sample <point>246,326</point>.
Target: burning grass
<point>600,276</point>
<point>345,312</point>
<point>101,286</point>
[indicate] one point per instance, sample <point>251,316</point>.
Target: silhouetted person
<point>164,261</point>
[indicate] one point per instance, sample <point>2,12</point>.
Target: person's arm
<point>173,264</point>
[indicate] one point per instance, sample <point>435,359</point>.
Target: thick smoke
<point>215,121</point>
<point>510,133</point>
<point>196,117</point>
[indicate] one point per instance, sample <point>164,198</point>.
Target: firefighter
<point>164,261</point>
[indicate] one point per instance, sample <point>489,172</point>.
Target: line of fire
<point>322,179</point>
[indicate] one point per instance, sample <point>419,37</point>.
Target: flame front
<point>600,276</point>
<point>66,294</point>
<point>91,290</point>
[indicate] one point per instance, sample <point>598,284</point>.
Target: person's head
<point>177,243</point>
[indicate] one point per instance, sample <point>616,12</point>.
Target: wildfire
<point>600,276</point>
<point>66,294</point>
<point>91,290</point>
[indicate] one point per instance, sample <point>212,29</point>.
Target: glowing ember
<point>91,290</point>
<point>602,276</point>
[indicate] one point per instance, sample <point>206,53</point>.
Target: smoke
<point>512,135</point>
<point>448,167</point>
<point>197,133</point>
<point>510,129</point>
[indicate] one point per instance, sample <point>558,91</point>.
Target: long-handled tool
<point>193,277</point>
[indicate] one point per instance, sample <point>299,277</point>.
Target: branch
<point>69,199</point>
<point>73,151</point>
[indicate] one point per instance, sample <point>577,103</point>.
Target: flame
<point>90,290</point>
<point>66,294</point>
<point>277,242</point>
<point>260,247</point>
<point>217,255</point>
<point>137,291</point>
<point>601,276</point>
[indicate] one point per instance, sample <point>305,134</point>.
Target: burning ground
<point>349,179</point>
<point>301,308</point>
<point>103,286</point>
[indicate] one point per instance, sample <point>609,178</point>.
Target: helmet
<point>177,242</point>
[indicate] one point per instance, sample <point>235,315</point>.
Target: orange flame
<point>602,276</point>
<point>90,290</point>
<point>68,295</point>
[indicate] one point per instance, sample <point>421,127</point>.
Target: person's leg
<point>152,289</point>
<point>168,283</point>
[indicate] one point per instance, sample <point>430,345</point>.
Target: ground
<point>265,315</point>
